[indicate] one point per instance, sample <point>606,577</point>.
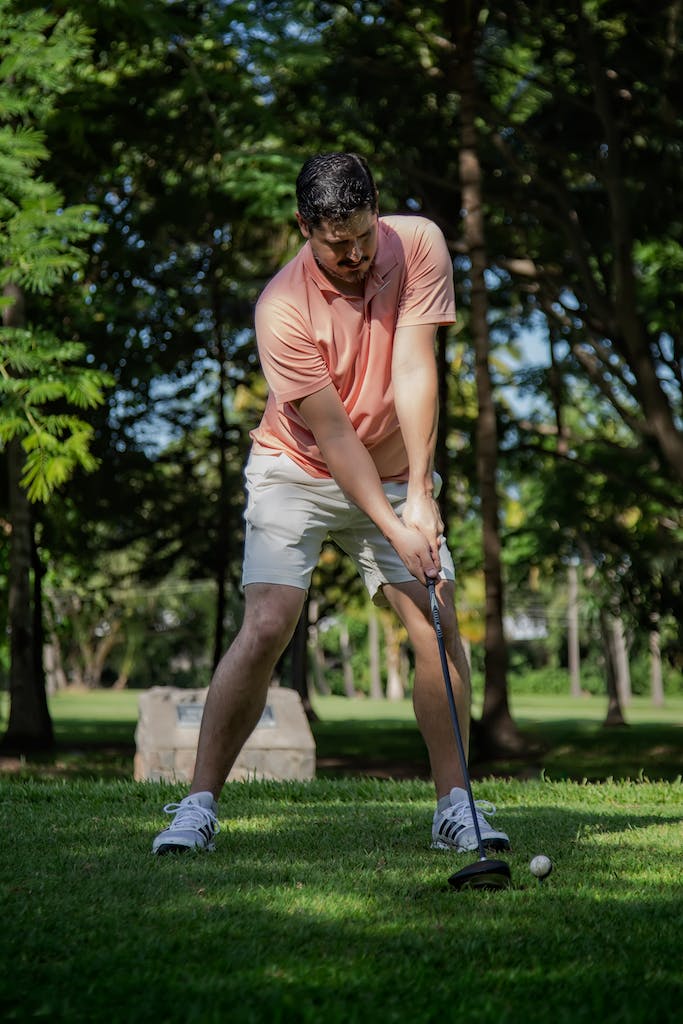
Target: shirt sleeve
<point>428,294</point>
<point>291,362</point>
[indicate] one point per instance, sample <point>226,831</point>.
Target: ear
<point>303,226</point>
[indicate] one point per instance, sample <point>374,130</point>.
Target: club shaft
<point>434,605</point>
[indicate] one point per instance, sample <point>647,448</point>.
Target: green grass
<point>568,735</point>
<point>324,903</point>
<point>95,735</point>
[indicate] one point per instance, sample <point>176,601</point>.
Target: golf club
<point>484,873</point>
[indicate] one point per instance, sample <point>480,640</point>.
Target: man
<point>345,334</point>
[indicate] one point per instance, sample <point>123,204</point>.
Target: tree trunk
<point>404,668</point>
<point>442,462</point>
<point>127,663</point>
<point>615,714</point>
<point>298,649</point>
<point>55,676</point>
<point>392,653</point>
<point>317,653</point>
<point>347,667</point>
<point>497,731</point>
<point>376,691</point>
<point>29,727</point>
<point>656,683</point>
<point>573,647</point>
<point>93,652</point>
<point>320,682</point>
<point>621,663</point>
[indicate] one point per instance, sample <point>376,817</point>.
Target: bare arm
<point>351,465</point>
<point>414,376</point>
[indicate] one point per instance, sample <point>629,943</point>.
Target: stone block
<point>280,747</point>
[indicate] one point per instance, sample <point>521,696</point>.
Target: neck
<point>353,288</point>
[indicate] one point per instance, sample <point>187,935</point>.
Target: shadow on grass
<point>561,749</point>
<point>290,921</point>
<point>380,748</point>
<point>77,731</point>
<point>393,749</point>
<point>579,750</point>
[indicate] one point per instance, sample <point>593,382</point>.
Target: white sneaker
<point>193,827</point>
<point>453,827</point>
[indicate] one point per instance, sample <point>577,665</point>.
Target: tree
<point>577,114</point>
<point>188,126</point>
<point>174,142</point>
<point>40,380</point>
<point>496,728</point>
<point>590,117</point>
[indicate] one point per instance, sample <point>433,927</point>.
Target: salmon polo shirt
<point>310,335</point>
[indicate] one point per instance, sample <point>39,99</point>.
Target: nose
<point>355,253</point>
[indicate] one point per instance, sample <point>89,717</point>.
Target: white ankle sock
<point>456,796</point>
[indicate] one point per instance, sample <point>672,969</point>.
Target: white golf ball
<point>541,866</point>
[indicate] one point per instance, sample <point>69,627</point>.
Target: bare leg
<point>239,687</point>
<point>411,603</point>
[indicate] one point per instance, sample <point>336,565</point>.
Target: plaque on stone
<point>189,715</point>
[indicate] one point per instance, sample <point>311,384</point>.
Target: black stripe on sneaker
<point>450,829</point>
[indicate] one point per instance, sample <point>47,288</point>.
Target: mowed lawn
<point>95,733</point>
<point>324,902</point>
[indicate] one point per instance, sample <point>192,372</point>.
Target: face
<point>344,251</point>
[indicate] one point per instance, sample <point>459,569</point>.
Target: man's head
<point>337,213</point>
<point>333,186</point>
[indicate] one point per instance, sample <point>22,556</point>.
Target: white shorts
<point>290,514</point>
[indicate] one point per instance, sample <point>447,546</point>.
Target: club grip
<point>434,605</point>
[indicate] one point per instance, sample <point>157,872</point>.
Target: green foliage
<point>660,263</point>
<point>551,682</point>
<point>39,50</point>
<point>388,85</point>
<point>40,247</point>
<point>38,374</point>
<point>182,160</point>
<point>40,236</point>
<point>181,131</point>
<point>39,240</point>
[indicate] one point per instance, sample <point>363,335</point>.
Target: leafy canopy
<point>40,249</point>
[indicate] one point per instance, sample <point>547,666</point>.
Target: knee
<point>269,628</point>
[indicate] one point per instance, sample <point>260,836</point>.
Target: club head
<point>484,874</point>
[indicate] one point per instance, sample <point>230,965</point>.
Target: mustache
<point>352,263</point>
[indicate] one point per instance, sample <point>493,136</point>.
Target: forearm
<point>416,398</point>
<point>415,383</point>
<point>353,468</point>
<point>417,408</point>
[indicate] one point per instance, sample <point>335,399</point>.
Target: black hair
<point>333,186</point>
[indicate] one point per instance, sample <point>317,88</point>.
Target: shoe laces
<point>193,816</point>
<point>462,813</point>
